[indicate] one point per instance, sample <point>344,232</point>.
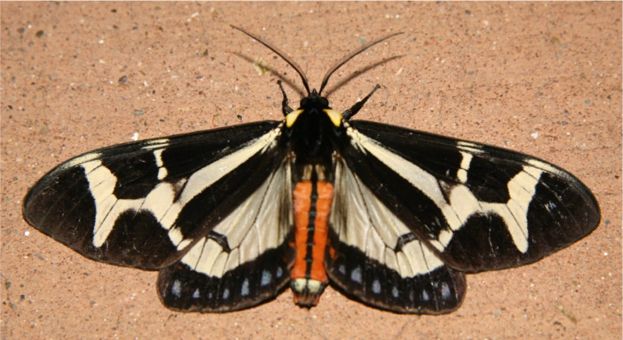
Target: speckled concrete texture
<point>541,78</point>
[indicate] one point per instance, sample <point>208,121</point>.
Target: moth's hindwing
<point>476,207</point>
<point>377,259</point>
<point>245,258</point>
<point>143,204</point>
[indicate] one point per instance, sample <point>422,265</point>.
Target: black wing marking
<point>243,261</point>
<point>478,207</point>
<point>379,260</point>
<point>143,204</point>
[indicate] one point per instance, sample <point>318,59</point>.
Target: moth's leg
<point>358,105</point>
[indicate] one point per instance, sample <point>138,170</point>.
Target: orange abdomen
<point>312,206</point>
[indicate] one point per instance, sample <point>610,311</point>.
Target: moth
<point>389,216</point>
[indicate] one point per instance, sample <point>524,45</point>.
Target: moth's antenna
<point>283,56</point>
<point>350,56</point>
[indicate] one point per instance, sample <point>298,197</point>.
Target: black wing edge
<point>182,289</point>
<point>61,206</point>
<point>366,280</point>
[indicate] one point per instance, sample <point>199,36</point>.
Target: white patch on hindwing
<point>462,203</point>
<point>254,227</point>
<point>363,221</point>
<point>161,200</point>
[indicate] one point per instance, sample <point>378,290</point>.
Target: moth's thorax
<point>312,134</point>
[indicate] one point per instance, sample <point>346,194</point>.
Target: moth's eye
<point>335,116</point>
<point>292,116</point>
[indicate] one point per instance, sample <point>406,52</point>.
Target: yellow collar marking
<point>335,116</point>
<point>292,116</point>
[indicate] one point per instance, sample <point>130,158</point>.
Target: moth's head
<point>313,102</point>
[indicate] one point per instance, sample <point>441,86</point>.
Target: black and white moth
<point>389,216</point>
